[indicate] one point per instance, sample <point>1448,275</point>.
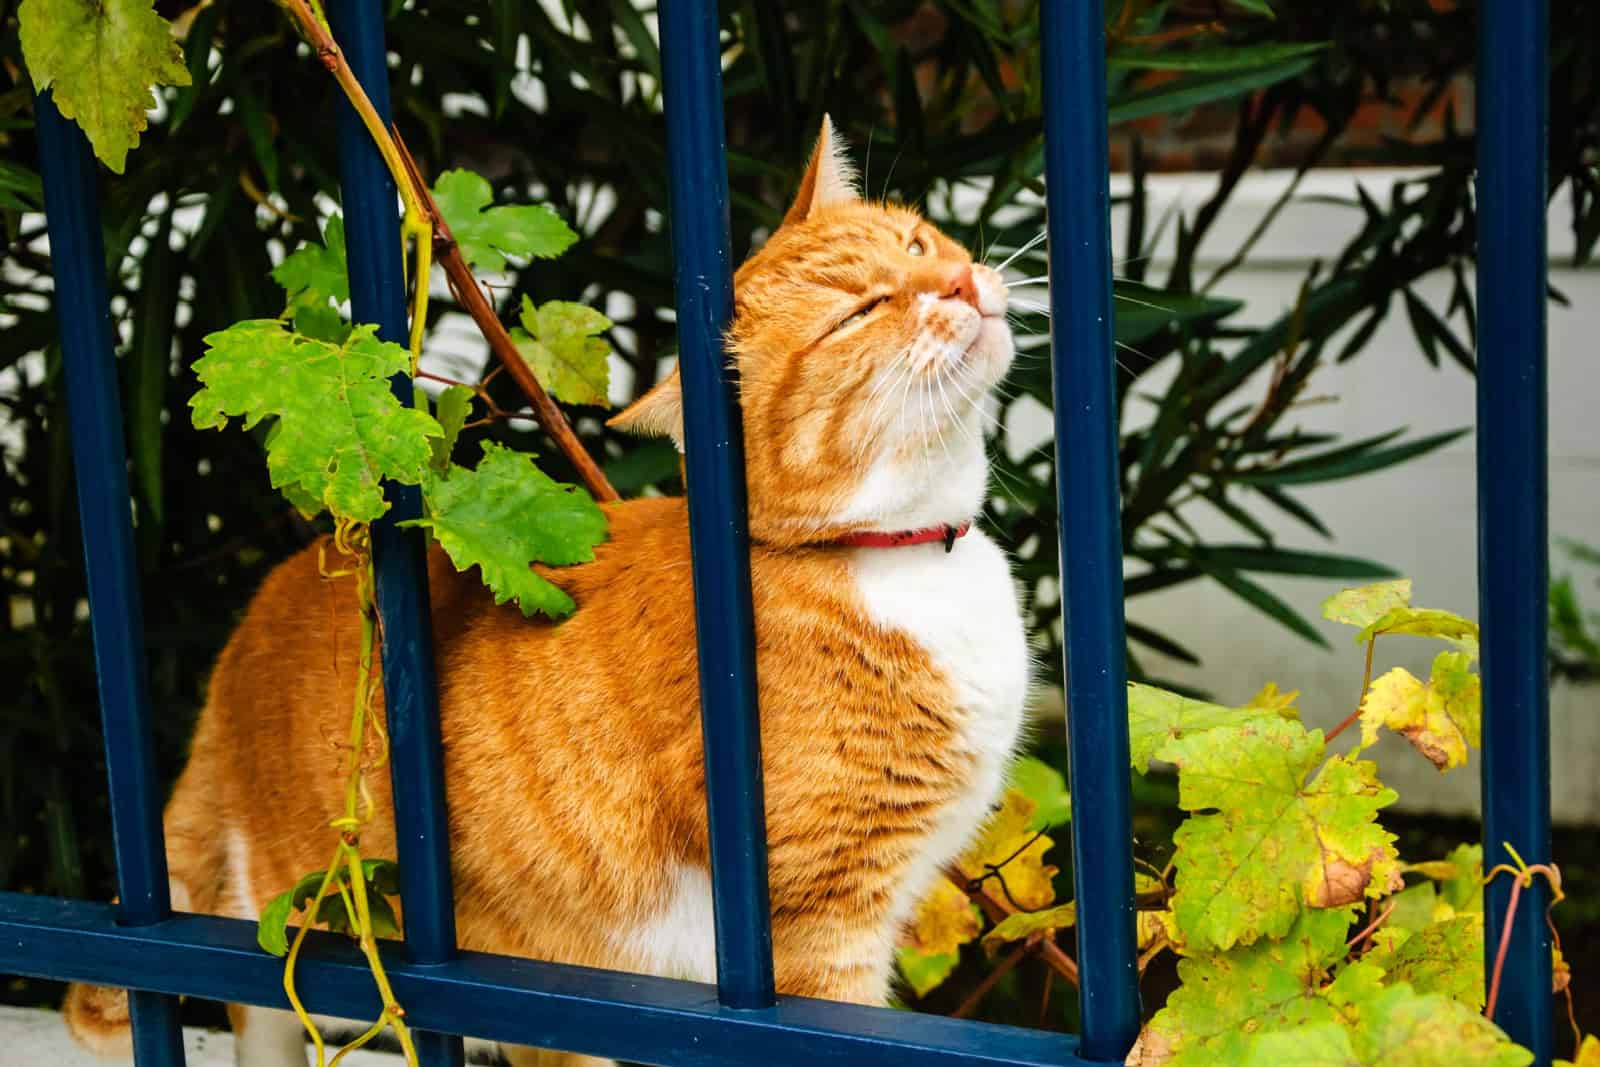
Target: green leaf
<point>20,188</point>
<point>507,515</point>
<point>1256,7</point>
<point>1264,600</point>
<point>1443,957</point>
<point>924,972</point>
<point>384,921</point>
<point>315,273</point>
<point>1365,605</point>
<point>1270,985</point>
<point>99,59</point>
<point>340,430</point>
<point>1026,923</point>
<point>486,237</point>
<point>455,403</point>
<point>1318,1045</point>
<point>1320,833</point>
<point>1156,718</point>
<point>272,929</point>
<point>642,465</point>
<point>1400,1025</point>
<point>1347,462</point>
<point>382,875</point>
<point>1047,788</point>
<point>1203,88</point>
<point>1424,622</point>
<point>1218,58</point>
<point>1286,561</point>
<point>562,347</point>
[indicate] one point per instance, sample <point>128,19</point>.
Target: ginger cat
<point>892,679</point>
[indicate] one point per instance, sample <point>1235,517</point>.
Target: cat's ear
<point>659,413</point>
<point>830,179</point>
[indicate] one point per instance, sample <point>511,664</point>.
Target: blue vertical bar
<point>1513,560</point>
<point>100,463</point>
<point>718,529</point>
<point>411,701</point>
<point>1076,176</point>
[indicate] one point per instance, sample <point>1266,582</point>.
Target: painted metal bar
<point>603,1013</point>
<point>411,702</point>
<point>1079,221</point>
<point>718,529</point>
<point>1513,492</point>
<point>116,615</point>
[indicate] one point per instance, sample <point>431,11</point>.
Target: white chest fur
<point>961,607</point>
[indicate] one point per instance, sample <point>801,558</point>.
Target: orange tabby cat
<point>892,679</point>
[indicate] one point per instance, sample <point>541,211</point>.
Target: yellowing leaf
<point>1444,957</point>
<point>945,920</point>
<point>1588,1054</point>
<point>1226,998</point>
<point>506,515</point>
<point>1273,839</point>
<point>486,235</point>
<point>1402,1026</point>
<point>562,345</point>
<point>1367,604</point>
<point>1270,699</point>
<point>1008,858</point>
<point>1425,622</point>
<point>340,430</point>
<point>1157,718</point>
<point>99,59</point>
<point>1149,926</point>
<point>923,972</point>
<point>1440,719</point>
<point>1026,923</point>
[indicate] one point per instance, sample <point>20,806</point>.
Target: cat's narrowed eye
<point>917,248</point>
<point>860,313</point>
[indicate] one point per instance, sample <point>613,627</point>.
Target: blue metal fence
<point>140,943</point>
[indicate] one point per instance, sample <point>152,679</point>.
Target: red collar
<point>877,539</point>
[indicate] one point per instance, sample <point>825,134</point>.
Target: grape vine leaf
<point>1008,857</point>
<point>1269,698</point>
<point>1442,957</point>
<point>314,273</point>
<point>486,237</point>
<point>455,403</point>
<point>99,59</point>
<point>1401,1025</point>
<point>924,972</point>
<point>1046,787</point>
<point>1367,604</point>
<point>1441,719</point>
<point>1223,999</point>
<point>1425,622</point>
<point>506,515</point>
<point>1026,923</point>
<point>1588,1054</point>
<point>340,431</point>
<point>1317,1045</point>
<point>945,920</point>
<point>560,341</point>
<point>1275,838</point>
<point>1156,718</point>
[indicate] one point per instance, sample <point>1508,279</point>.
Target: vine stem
<point>1366,683</point>
<point>424,223</point>
<point>1011,959</point>
<point>464,287</point>
<point>997,910</point>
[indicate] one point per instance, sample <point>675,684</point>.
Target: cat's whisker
<point>1142,303</point>
<point>1036,280</point>
<point>1032,243</point>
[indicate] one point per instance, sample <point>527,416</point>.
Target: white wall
<point>1419,518</point>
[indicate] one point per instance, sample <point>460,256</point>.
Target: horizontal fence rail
<point>140,944</point>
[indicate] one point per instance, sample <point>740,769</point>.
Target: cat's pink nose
<point>961,286</point>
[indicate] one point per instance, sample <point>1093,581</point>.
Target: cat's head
<point>866,342</point>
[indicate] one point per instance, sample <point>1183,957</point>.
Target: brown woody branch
<point>462,284</point>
